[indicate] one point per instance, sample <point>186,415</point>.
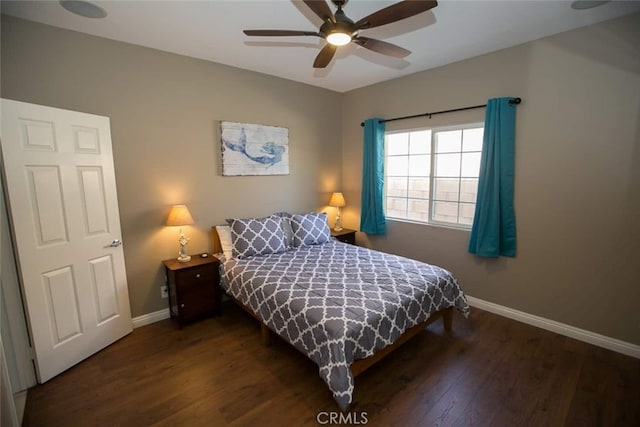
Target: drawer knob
<point>181,305</point>
<point>198,275</point>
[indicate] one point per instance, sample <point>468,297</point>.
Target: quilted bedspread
<point>338,303</point>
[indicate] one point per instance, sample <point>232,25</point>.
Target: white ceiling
<point>212,30</point>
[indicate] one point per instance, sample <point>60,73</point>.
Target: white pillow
<point>224,234</point>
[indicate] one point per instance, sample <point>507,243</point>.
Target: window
<point>431,175</point>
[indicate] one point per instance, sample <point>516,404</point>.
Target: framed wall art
<point>251,149</point>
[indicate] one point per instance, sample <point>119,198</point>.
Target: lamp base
<point>338,224</point>
<point>184,258</point>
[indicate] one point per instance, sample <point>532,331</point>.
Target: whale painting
<point>250,149</point>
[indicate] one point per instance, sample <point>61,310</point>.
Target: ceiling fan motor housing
<point>339,27</point>
<point>342,24</point>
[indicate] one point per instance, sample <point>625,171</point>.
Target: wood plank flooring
<point>490,371</point>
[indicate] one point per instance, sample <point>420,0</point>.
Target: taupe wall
<point>165,111</point>
<point>577,161</point>
<point>577,184</point>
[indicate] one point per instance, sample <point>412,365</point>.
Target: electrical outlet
<point>164,291</point>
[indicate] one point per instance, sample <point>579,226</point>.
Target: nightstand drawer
<point>195,303</point>
<point>197,276</point>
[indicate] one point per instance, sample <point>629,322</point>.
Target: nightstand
<point>193,288</point>
<point>345,235</point>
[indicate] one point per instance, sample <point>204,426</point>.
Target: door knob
<point>115,243</point>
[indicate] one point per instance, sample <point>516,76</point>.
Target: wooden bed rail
<point>361,365</point>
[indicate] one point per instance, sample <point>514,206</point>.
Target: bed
<point>345,307</point>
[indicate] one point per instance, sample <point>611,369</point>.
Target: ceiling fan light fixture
<point>339,39</point>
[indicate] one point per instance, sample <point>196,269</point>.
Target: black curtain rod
<point>513,101</point>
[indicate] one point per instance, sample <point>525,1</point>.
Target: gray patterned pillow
<point>286,226</point>
<point>257,236</point>
<point>310,229</point>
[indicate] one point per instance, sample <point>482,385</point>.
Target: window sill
<point>432,224</point>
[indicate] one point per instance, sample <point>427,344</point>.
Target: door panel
<point>105,287</point>
<point>38,135</point>
<point>64,209</point>
<point>93,200</point>
<point>45,194</point>
<point>86,140</point>
<point>62,304</point>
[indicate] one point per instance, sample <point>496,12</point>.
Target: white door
<point>64,210</point>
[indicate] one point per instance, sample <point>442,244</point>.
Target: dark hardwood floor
<point>490,371</point>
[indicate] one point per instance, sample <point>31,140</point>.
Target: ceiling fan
<point>338,30</point>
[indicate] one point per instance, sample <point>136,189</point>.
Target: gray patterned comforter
<point>338,303</point>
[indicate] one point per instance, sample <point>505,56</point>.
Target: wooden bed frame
<point>360,365</point>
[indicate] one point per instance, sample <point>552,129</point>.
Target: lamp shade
<point>179,215</point>
<point>337,200</point>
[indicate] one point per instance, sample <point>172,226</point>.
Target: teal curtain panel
<point>372,220</point>
<point>493,233</point>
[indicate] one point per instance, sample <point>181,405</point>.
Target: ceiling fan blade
<point>396,12</point>
<point>325,56</point>
<point>277,33</point>
<point>321,8</point>
<point>382,47</point>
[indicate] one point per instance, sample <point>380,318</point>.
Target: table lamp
<point>337,201</point>
<point>179,215</point>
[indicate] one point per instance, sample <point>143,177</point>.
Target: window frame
<point>432,180</point>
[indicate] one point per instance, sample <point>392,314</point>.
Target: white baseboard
<point>559,328</point>
<point>603,341</point>
<point>147,319</point>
